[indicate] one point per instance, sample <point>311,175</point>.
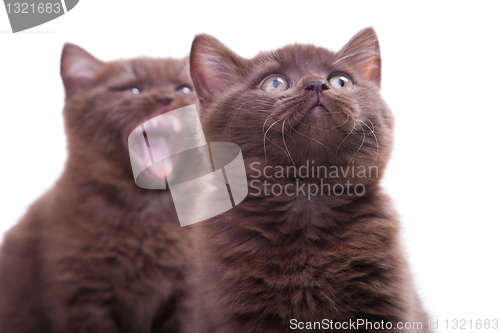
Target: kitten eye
<point>275,84</point>
<point>134,90</point>
<point>341,82</point>
<point>184,90</point>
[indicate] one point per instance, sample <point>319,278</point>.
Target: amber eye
<point>275,84</point>
<point>341,82</point>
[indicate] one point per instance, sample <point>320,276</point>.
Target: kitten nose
<point>317,86</point>
<point>164,100</point>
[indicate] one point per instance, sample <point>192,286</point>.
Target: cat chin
<point>318,109</point>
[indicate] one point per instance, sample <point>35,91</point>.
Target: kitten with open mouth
<point>97,253</point>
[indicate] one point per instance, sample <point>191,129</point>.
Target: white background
<point>440,76</point>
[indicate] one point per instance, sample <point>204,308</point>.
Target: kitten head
<point>105,101</point>
<point>296,105</point>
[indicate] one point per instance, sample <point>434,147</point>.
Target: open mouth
<point>154,114</point>
<point>151,143</point>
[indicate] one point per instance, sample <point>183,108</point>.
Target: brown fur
<point>97,253</point>
<point>276,258</point>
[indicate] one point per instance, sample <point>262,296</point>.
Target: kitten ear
<point>214,67</point>
<point>77,67</point>
<point>363,51</point>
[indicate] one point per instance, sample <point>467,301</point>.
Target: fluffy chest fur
<point>304,260</point>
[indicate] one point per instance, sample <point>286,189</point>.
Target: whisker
<point>265,133</point>
<point>284,142</point>
<point>361,145</point>
<point>346,120</point>
<point>338,147</point>
<point>265,137</point>
<point>376,141</point>
<point>372,131</point>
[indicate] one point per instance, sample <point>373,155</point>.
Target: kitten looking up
<point>97,253</point>
<point>289,255</point>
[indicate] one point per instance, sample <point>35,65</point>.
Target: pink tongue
<point>165,167</point>
<point>152,143</point>
<point>163,137</point>
<point>143,155</point>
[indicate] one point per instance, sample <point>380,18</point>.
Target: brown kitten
<point>97,253</point>
<point>279,260</point>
